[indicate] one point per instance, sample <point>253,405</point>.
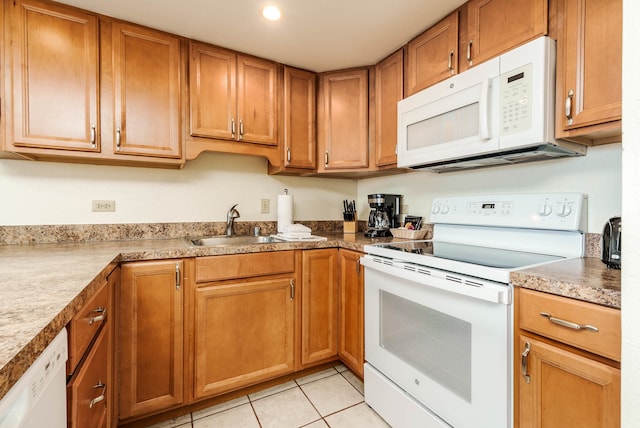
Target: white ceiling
<point>318,36</point>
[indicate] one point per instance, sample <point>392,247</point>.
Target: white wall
<point>597,175</point>
<point>631,215</point>
<point>58,193</point>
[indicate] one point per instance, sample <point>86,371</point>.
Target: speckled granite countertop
<point>584,278</point>
<point>44,285</point>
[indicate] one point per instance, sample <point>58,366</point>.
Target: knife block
<point>351,226</point>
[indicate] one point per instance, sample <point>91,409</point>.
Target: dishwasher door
<point>39,398</point>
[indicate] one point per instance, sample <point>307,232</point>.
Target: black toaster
<point>612,243</point>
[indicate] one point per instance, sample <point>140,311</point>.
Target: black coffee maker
<point>384,215</point>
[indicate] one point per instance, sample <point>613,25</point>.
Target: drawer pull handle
<point>524,362</point>
<point>101,317</point>
<point>569,324</point>
<point>100,397</point>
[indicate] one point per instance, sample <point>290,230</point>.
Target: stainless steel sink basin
<point>227,241</point>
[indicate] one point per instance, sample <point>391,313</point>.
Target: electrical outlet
<point>404,209</point>
<point>264,206</point>
<point>103,206</point>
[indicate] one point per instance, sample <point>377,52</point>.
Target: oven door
<point>444,339</point>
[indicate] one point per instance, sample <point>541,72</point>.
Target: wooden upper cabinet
<point>389,85</point>
<point>299,118</point>
<point>53,57</point>
<point>432,56</point>
<point>257,100</point>
<point>146,89</point>
<point>589,69</point>
<point>232,96</point>
<point>212,87</point>
<point>343,120</point>
<point>496,26</point>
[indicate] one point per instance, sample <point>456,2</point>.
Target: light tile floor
<point>330,398</point>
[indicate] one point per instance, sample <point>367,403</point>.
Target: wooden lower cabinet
<point>89,388</point>
<point>567,362</point>
<point>351,311</point>
<point>319,323</point>
<point>567,390</point>
<point>244,333</point>
<point>150,336</point>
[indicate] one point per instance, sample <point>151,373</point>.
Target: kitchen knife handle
<point>569,324</point>
<point>525,361</point>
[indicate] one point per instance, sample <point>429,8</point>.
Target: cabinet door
<point>243,333</point>
<point>351,311</point>
<point>257,100</point>
<point>88,390</point>
<point>565,389</point>
<point>146,67</point>
<point>150,337</point>
<point>212,90</point>
<point>319,305</point>
<point>299,118</point>
<point>344,133</point>
<point>53,53</point>
<point>495,26</point>
<point>389,83</point>
<point>589,73</point>
<point>433,56</point>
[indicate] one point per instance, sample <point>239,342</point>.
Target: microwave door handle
<point>484,109</point>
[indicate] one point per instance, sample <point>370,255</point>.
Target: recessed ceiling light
<point>272,13</point>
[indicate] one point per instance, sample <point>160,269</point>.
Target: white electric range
<point>439,313</point>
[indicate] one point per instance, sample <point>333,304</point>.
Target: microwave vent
<point>506,157</point>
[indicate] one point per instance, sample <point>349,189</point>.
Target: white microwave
<point>498,112</point>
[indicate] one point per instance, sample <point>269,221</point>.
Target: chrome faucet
<point>232,214</point>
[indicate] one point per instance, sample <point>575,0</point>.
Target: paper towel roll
<point>285,211</point>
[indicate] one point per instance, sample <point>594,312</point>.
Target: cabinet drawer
<point>605,341</point>
<point>216,268</point>
<point>85,324</point>
<point>87,391</point>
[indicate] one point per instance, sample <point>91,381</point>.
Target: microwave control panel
<point>515,98</point>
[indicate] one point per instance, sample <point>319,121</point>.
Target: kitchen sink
<point>227,241</point>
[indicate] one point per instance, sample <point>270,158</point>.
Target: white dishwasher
<point>39,398</point>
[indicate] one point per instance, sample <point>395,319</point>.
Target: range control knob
<point>564,209</point>
<point>435,209</point>
<point>445,209</point>
<point>544,209</point>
